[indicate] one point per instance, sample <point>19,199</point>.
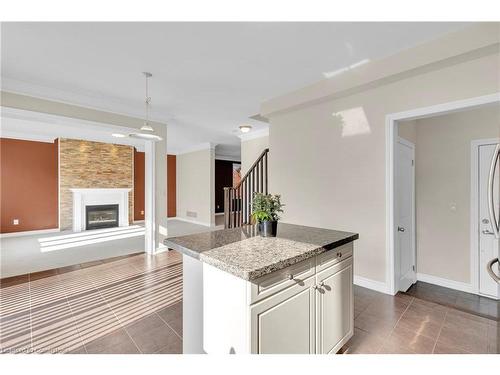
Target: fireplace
<point>101,216</point>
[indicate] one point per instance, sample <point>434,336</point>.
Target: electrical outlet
<point>15,222</point>
<point>142,212</point>
<point>191,214</point>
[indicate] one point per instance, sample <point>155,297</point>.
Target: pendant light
<point>147,131</point>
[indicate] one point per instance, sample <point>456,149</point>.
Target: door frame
<point>391,120</point>
<point>413,214</point>
<point>474,210</point>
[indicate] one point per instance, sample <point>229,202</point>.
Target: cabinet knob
<point>290,277</point>
<point>339,254</point>
<point>322,284</point>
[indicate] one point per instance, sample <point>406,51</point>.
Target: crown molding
<point>254,134</point>
<point>84,99</point>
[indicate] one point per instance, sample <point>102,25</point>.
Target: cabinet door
<point>334,307</point>
<point>284,322</point>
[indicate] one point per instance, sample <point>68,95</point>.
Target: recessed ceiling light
<point>118,135</point>
<point>245,128</point>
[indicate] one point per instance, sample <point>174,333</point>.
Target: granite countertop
<point>244,253</point>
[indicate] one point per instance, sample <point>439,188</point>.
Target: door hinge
<point>413,267</point>
<point>412,162</point>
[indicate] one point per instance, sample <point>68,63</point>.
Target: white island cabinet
<point>304,308</point>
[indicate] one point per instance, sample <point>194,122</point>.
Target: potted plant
<point>265,210</point>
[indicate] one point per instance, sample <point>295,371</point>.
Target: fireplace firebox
<point>101,216</point>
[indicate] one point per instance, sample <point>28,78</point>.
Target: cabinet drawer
<point>331,257</point>
<point>274,282</point>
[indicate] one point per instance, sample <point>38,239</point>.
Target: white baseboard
<point>371,284</point>
<point>138,222</point>
<point>29,233</point>
<point>189,221</point>
<point>457,285</point>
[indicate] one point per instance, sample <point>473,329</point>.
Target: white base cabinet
<point>306,308</point>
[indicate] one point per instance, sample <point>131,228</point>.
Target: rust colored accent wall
<point>28,185</point>
<point>86,164</point>
<point>138,185</point>
<point>171,186</point>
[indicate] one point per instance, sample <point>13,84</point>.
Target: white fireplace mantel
<point>89,197</point>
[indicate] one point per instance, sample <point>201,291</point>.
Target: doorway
<point>394,273</point>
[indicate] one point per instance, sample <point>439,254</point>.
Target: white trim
<point>138,222</point>
<point>390,123</point>
<point>27,137</point>
<point>149,197</point>
<point>447,283</point>
<point>378,286</point>
<point>189,221</point>
<point>59,182</point>
<point>198,147</point>
<point>254,134</point>
<point>29,233</point>
<point>474,209</point>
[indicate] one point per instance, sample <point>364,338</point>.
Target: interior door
<point>488,243</point>
<point>404,218</point>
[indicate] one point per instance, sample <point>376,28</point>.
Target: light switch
<point>142,212</point>
<point>15,221</point>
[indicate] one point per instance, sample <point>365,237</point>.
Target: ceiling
<point>208,78</point>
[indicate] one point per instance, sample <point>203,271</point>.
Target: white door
<point>488,244</point>
<point>404,218</point>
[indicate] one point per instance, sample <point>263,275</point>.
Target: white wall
<point>328,146</point>
<point>442,181</point>
<point>408,130</point>
<point>251,150</point>
<point>195,186</point>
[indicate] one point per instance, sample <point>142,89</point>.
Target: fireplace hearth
<point>101,216</point>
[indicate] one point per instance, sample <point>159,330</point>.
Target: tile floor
<point>133,304</point>
<point>467,302</point>
<point>406,324</point>
<point>128,304</point>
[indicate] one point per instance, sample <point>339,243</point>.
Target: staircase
<point>238,199</point>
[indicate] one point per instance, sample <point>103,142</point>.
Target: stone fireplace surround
<point>90,197</point>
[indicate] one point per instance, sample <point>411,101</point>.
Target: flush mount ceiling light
<point>245,128</point>
<point>118,135</point>
<point>147,131</point>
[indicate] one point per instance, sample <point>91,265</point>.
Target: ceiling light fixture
<point>245,128</point>
<point>147,131</point>
<point>118,135</point>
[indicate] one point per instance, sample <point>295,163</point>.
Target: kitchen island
<point>243,293</point>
